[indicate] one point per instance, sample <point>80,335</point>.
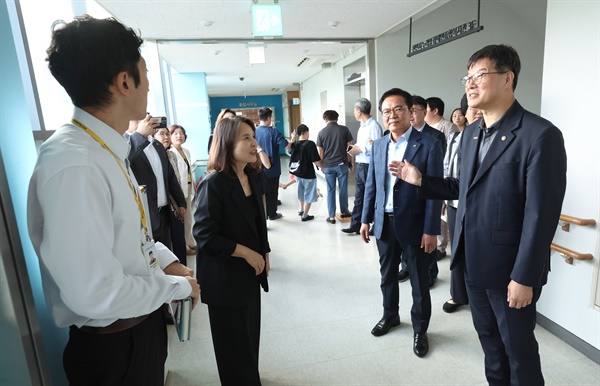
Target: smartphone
<point>162,122</point>
<point>349,148</point>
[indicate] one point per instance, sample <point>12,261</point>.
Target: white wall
<point>437,72</point>
<point>571,79</point>
<point>332,81</point>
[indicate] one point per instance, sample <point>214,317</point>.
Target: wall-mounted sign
<point>461,31</point>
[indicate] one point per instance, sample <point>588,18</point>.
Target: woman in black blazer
<point>233,250</point>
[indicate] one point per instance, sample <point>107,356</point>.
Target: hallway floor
<point>324,299</point>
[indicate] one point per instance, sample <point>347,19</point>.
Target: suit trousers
<point>178,239</point>
<point>236,340</point>
<point>361,179</point>
<point>189,218</point>
<point>162,231</point>
<point>458,287</point>
<point>390,251</point>
<point>506,336</point>
<point>135,356</point>
<point>432,267</point>
<point>271,195</point>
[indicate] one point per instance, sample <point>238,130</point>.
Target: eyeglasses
<point>414,111</point>
<point>166,134</point>
<point>397,110</point>
<point>476,78</point>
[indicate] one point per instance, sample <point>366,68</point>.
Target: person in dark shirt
<point>304,154</point>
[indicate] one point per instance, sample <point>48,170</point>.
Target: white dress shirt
<point>153,157</point>
<point>396,152</point>
<point>85,226</point>
<point>368,131</point>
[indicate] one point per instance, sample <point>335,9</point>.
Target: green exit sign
<point>266,20</point>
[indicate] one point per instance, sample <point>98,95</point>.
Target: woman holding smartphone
<point>233,250</point>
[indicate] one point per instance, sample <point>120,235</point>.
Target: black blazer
<point>142,170</point>
<point>510,206</point>
<point>223,219</point>
<point>438,135</point>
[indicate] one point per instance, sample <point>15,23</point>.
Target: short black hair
<point>301,129</point>
<point>464,104</point>
<point>398,92</point>
<point>418,100</point>
<point>330,115</point>
<point>436,103</point>
<point>503,58</point>
<point>86,54</point>
<point>264,113</point>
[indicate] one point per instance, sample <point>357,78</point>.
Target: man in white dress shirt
<point>369,131</point>
<point>103,275</point>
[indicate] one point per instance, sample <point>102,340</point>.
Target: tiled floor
<point>324,300</point>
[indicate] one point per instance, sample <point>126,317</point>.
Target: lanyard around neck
<point>138,199</point>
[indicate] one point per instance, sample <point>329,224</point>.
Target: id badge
<point>149,251</point>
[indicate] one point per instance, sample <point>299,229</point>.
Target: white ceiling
<point>220,50</point>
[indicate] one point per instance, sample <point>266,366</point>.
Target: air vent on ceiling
<point>303,62</point>
<point>276,89</point>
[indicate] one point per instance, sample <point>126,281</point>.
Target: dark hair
<point>363,105</point>
<point>301,129</point>
<point>464,104</point>
<point>264,113</point>
<point>418,100</point>
<point>452,113</point>
<point>86,54</point>
<point>172,128</point>
<point>222,113</point>
<point>330,115</point>
<point>396,92</point>
<point>436,103</point>
<point>220,158</point>
<point>502,57</point>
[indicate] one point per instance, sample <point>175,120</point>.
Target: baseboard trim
<point>568,337</point>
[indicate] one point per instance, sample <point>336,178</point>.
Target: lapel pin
<point>475,137</point>
<point>414,145</point>
<point>503,138</point>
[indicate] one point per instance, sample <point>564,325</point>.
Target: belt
<point>389,216</point>
<point>362,163</point>
<point>117,326</point>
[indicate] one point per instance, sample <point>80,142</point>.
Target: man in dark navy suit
<point>402,223</point>
<point>151,167</point>
<point>417,121</point>
<point>511,186</point>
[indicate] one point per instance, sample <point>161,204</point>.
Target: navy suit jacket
<point>438,135</point>
<point>509,207</point>
<point>413,217</point>
<point>142,170</point>
<point>223,219</point>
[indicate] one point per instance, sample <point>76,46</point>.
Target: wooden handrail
<point>566,221</point>
<point>569,254</point>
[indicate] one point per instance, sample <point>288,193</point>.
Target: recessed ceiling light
<point>206,23</point>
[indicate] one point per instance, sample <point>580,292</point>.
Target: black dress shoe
<point>278,202</point>
<point>330,220</point>
<point>421,345</point>
<point>403,276</point>
<point>383,326</point>
<point>451,307</point>
<point>351,230</point>
<point>307,218</point>
<point>275,216</point>
<point>432,282</point>
<point>440,255</point>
